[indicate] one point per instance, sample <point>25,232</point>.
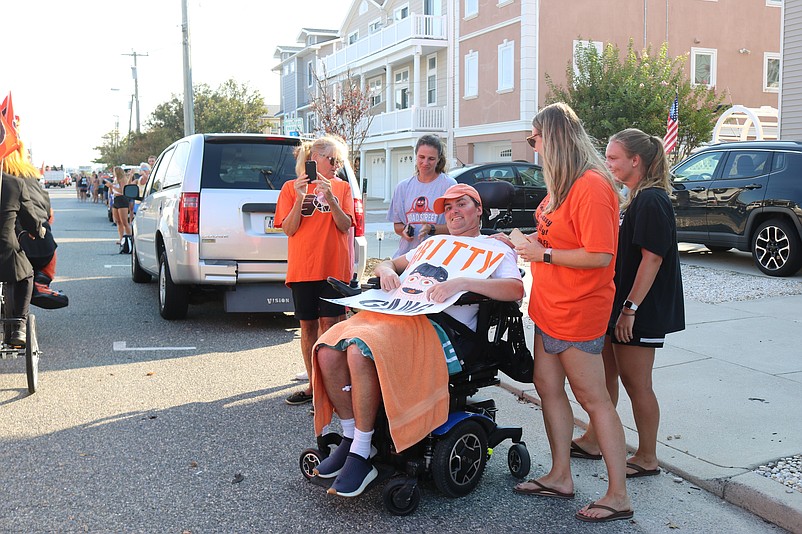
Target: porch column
<point>388,174</point>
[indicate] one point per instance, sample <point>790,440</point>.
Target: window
<point>703,66</point>
<point>178,164</point>
<point>506,71</point>
<point>471,8</point>
<point>771,72</point>
<point>775,3</point>
<point>311,122</point>
<point>402,89</point>
<point>401,13</point>
<point>699,169</point>
<point>353,37</point>
<point>310,74</point>
<point>598,45</point>
<point>375,26</point>
<point>531,176</point>
<point>743,164</point>
<point>471,74</point>
<point>431,80</point>
<point>375,91</point>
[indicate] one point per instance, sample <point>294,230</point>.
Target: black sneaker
<point>299,397</point>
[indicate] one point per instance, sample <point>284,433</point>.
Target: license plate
<point>270,227</point>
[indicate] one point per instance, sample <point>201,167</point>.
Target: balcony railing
<point>412,27</point>
<point>422,119</point>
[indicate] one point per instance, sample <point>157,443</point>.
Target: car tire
<point>776,248</point>
<point>173,298</point>
<point>138,274</point>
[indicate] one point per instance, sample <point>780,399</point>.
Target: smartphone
<point>518,238</point>
<point>311,169</point>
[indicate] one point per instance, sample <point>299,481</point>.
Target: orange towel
<point>412,373</point>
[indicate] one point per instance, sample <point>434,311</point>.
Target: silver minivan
<point>206,221</point>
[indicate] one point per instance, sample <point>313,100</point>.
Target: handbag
<point>41,248</point>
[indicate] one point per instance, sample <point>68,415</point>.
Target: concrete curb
<point>759,495</point>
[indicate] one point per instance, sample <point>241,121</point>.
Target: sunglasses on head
<point>531,139</point>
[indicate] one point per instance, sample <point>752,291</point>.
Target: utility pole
<point>136,86</point>
<point>189,105</point>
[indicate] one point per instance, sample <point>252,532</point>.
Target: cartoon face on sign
<point>420,280</point>
<point>421,205</point>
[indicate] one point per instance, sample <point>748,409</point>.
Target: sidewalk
<point>730,393</point>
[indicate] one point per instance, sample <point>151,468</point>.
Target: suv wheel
<point>776,248</point>
<point>138,274</point>
<point>173,299</point>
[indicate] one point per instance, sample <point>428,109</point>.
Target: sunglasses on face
<point>531,139</point>
<point>331,159</point>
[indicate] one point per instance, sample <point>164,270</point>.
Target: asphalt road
<point>144,425</point>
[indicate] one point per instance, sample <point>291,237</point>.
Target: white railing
<point>412,27</point>
<point>424,119</point>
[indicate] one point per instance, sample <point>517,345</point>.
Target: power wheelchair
<point>453,455</point>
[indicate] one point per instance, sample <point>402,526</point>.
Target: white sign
<point>439,258</point>
<point>293,126</point>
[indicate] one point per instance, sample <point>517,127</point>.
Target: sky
<point>66,66</point>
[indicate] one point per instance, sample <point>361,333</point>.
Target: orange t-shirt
<point>318,249</point>
<point>575,304</point>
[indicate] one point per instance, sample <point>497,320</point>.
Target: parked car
<point>206,221</point>
<point>744,195</point>
<point>530,189</point>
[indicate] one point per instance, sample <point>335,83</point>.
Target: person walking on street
<point>411,208</point>
<point>572,259</point>
<point>119,207</point>
<point>649,298</point>
<point>316,213</point>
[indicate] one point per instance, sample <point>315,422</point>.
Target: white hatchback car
<point>206,222</point>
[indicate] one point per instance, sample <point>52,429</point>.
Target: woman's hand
<point>323,185</point>
<point>504,238</point>
<point>532,251</point>
<point>300,185</point>
<point>623,327</point>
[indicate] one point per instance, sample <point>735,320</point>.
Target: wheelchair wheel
<point>518,460</point>
<point>459,459</point>
<point>31,354</point>
<point>309,460</point>
<point>401,496</point>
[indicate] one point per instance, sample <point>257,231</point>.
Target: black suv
<point>530,189</point>
<point>746,195</point>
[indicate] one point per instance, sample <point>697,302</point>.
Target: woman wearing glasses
<point>316,213</point>
<point>572,256</point>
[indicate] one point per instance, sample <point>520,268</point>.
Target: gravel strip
<point>786,471</point>
<point>714,286</point>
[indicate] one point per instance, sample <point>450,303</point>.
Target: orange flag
<point>8,123</point>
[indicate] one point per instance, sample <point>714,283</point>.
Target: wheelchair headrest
<point>495,193</point>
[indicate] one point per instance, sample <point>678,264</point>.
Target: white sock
<point>361,444</point>
<point>348,427</point>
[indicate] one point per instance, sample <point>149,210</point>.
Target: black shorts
<point>309,306</point>
<point>120,201</point>
<point>639,339</point>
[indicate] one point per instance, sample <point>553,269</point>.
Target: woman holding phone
<point>316,211</point>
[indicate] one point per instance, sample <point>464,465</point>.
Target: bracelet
<point>627,314</point>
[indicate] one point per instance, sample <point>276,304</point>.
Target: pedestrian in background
<point>119,208</point>
<point>412,206</point>
<point>648,298</point>
<point>572,295</point>
<point>316,213</point>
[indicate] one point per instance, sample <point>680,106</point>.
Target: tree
<point>610,94</point>
<point>344,112</point>
<point>229,108</point>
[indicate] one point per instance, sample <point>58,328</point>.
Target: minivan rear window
<point>247,165</point>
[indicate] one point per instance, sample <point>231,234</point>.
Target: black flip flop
<point>616,515</point>
<point>641,471</point>
<point>579,452</point>
<point>542,491</point>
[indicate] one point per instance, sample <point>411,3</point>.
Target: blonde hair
<point>568,152</point>
<point>328,145</point>
<point>18,164</point>
<point>651,152</point>
<point>119,176</point>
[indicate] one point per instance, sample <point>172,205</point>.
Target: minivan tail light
<point>359,217</point>
<point>188,209</point>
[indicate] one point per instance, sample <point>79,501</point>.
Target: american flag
<point>670,140</point>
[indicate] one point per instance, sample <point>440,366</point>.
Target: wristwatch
<point>547,255</point>
<point>630,305</point>
<point>432,229</point>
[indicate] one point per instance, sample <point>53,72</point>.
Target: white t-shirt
<point>413,203</point>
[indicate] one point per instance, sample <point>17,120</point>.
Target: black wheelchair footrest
<point>500,433</point>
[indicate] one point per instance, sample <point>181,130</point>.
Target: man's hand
<point>388,277</point>
<point>445,290</point>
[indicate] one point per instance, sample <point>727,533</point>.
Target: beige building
<point>504,49</point>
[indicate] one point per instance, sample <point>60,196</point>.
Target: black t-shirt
<point>649,223</point>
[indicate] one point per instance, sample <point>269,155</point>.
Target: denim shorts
<point>556,346</point>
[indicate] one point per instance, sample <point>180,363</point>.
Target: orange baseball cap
<point>454,192</point>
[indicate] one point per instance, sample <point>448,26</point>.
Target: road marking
<point>120,346</point>
<point>110,266</point>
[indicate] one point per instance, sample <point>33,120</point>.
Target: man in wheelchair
<point>401,360</point>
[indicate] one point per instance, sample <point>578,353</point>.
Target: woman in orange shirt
<point>572,257</point>
<point>316,213</point>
